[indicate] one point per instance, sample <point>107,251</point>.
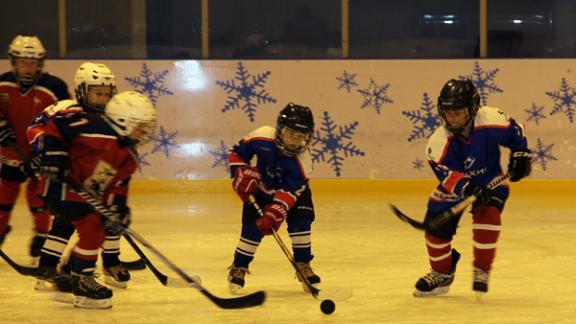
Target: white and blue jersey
<point>284,178</point>
<point>455,159</point>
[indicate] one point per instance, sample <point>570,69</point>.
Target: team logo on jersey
<point>469,162</point>
<point>37,101</point>
<point>101,177</point>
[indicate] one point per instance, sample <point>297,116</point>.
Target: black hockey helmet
<point>455,95</point>
<point>298,120</point>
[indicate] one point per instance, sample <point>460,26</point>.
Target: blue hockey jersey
<point>455,160</point>
<point>284,177</point>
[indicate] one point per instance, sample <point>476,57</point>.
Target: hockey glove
<point>119,222</point>
<point>520,165</point>
<point>274,215</point>
<point>246,181</point>
<point>30,166</point>
<point>482,193</point>
<point>54,165</point>
<point>7,136</point>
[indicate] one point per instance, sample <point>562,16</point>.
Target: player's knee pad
<point>298,224</point>
<point>10,173</point>
<point>91,231</point>
<point>9,192</point>
<point>446,230</point>
<point>69,211</point>
<point>488,215</point>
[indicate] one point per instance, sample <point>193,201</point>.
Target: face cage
<point>82,98</point>
<point>457,130</point>
<point>287,150</point>
<point>29,81</point>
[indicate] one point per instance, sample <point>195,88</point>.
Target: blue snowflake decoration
<point>142,161</point>
<point>418,164</point>
<point>247,91</point>
<point>542,154</point>
<point>165,142</point>
<point>333,141</point>
<point>425,120</point>
<point>375,96</point>
<point>346,81</point>
<point>484,81</point>
<point>150,83</point>
<point>564,101</point>
<point>220,156</point>
<point>535,113</point>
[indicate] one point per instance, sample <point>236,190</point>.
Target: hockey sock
<point>42,219</point>
<point>8,193</point>
<point>439,253</point>
<point>56,243</point>
<point>111,251</point>
<point>300,234</point>
<point>249,241</point>
<point>486,229</point>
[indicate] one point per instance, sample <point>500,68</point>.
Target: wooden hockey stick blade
<point>403,217</point>
<point>23,270</point>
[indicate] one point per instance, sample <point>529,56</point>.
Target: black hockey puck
<point>327,306</point>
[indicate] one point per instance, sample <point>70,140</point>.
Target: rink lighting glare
<point>193,148</point>
<point>517,21</point>
<point>192,74</point>
<point>448,22</point>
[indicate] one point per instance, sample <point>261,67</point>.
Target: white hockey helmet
<point>28,47</point>
<point>93,74</point>
<point>128,111</point>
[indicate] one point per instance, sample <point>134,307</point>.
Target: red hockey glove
<point>274,215</point>
<point>246,181</point>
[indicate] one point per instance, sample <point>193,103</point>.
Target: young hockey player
<point>464,155</point>
<point>24,92</point>
<point>95,84</point>
<point>96,152</point>
<point>279,182</point>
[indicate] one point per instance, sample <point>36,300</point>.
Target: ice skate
<point>480,283</point>
<point>236,278</point>
<point>50,279</point>
<point>88,293</point>
<point>436,283</point>
<point>3,235</point>
<point>116,276</point>
<point>307,271</point>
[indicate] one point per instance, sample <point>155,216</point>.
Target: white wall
<point>190,105</point>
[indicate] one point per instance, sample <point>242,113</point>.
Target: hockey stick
<point>251,300</point>
<point>313,290</point>
<point>164,280</point>
<point>450,213</point>
<point>23,270</point>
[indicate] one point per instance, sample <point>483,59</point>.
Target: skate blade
<point>435,292</point>
<point>62,297</point>
<point>44,286</point>
<point>110,281</point>
<point>479,295</point>
<point>84,302</point>
<point>235,289</point>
